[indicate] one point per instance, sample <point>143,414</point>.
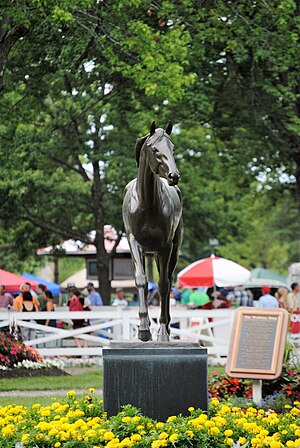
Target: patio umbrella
<point>213,271</point>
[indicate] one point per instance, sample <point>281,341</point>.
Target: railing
<point>211,328</point>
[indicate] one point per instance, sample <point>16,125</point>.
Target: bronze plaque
<point>257,343</point>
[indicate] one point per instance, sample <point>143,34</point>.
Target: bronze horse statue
<point>152,214</point>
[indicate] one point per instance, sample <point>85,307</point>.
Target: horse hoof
<point>144,335</point>
<point>163,337</point>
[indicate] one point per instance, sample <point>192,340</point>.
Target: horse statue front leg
<point>164,286</point>
<point>141,283</point>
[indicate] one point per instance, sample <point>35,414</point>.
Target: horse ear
<point>169,128</point>
<point>138,146</point>
<point>152,128</point>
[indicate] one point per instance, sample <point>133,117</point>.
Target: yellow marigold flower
<point>290,444</point>
<point>171,418</point>
<point>8,430</point>
<point>53,432</point>
<point>296,402</point>
<point>189,433</point>
<point>295,411</point>
<point>225,409</point>
<point>214,431</point>
<point>287,406</point>
<point>126,419</point>
<point>112,443</point>
<point>36,406</point>
<point>57,444</point>
<point>228,432</point>
<point>39,436</point>
<point>25,438</point>
<point>229,441</point>
<point>157,443</point>
<point>191,409</point>
<point>92,390</point>
<point>209,424</point>
<point>214,402</point>
<point>71,393</point>
<point>242,440</point>
<point>173,437</point>
<point>135,419</point>
<point>276,444</point>
<point>261,411</point>
<point>136,437</point>
<point>124,443</point>
<point>220,421</point>
<point>139,427</point>
<point>108,435</point>
<point>264,432</point>
<point>159,425</point>
<point>163,435</point>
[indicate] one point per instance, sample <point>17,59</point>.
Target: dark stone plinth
<point>160,378</point>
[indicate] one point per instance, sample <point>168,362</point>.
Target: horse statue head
<point>160,151</point>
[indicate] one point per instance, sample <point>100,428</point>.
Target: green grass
<point>92,378</point>
<point>29,401</point>
<point>219,369</point>
<point>81,381</point>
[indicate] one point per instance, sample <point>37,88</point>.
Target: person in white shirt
<point>267,300</point>
<point>120,299</point>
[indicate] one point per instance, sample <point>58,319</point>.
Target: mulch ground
<point>25,373</point>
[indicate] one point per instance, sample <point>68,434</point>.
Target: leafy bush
<point>13,352</point>
<point>287,384</point>
<point>222,386</point>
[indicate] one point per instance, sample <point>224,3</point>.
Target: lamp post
<point>213,242</point>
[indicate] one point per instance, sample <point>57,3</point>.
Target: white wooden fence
<point>211,328</point>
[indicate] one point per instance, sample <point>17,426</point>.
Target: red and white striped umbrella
<point>213,271</point>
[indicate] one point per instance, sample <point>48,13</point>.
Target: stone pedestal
<point>160,378</point>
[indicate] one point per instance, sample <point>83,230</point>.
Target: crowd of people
<point>42,299</point>
<point>193,298</point>
<point>230,297</point>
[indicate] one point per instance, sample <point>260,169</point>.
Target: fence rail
<point>211,328</point>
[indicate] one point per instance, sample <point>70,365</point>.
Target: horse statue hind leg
<point>166,265</point>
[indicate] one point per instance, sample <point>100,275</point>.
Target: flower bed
<point>19,360</point>
<point>288,385</point>
<point>73,423</point>
<point>13,352</point>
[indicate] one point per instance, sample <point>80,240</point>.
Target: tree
<point>73,104</point>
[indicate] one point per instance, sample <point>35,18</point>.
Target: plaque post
<point>257,391</point>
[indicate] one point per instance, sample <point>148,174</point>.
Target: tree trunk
<point>102,257</point>
<point>297,175</point>
<point>8,37</point>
